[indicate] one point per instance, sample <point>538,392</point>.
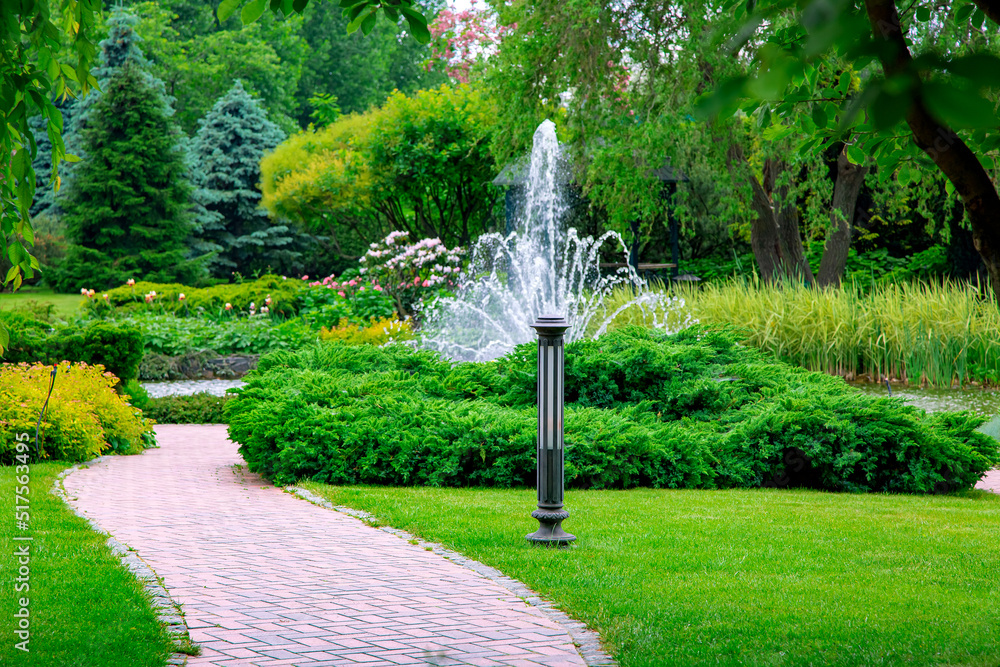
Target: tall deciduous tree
<point>225,160</point>
<point>929,80</point>
<point>419,164</point>
<point>126,210</point>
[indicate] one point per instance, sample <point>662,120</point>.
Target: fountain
<point>539,269</point>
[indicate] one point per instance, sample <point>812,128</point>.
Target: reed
<point>933,334</point>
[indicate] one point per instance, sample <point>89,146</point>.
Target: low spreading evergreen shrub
<point>85,416</point>
<point>117,347</point>
<point>193,409</point>
<point>693,410</point>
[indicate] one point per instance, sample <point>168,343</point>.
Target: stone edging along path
<point>167,610</point>
<point>587,641</point>
<point>265,578</point>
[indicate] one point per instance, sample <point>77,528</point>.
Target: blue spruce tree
<point>224,158</point>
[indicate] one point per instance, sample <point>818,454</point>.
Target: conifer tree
<point>126,209</point>
<point>121,46</point>
<point>225,159</point>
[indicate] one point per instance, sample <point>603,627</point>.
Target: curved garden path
<point>991,482</point>
<point>267,578</point>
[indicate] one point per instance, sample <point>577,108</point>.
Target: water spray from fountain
<point>539,269</point>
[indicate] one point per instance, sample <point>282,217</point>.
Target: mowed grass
<point>745,577</point>
<point>63,305</point>
<point>86,610</point>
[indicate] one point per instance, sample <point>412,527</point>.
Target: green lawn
<point>86,610</point>
<point>758,577</point>
<point>64,305</point>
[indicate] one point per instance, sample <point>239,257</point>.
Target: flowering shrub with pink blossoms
<point>460,39</point>
<point>411,272</point>
<point>348,297</point>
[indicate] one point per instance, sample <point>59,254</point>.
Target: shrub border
<point>587,642</point>
<point>168,611</point>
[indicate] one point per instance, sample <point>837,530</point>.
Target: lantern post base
<point>550,530</point>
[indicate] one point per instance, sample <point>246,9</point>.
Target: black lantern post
<point>550,512</point>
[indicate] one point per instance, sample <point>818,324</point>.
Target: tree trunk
<point>787,220</point>
<point>850,178</point>
<point>955,160</point>
<point>764,237</point>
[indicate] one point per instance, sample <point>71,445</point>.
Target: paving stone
<point>266,578</point>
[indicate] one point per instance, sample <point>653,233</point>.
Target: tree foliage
<point>926,100</point>
<point>419,164</point>
<point>32,70</point>
<point>225,160</point>
<point>126,210</point>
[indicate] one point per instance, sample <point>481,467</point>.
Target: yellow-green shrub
<point>84,418</point>
<point>379,332</point>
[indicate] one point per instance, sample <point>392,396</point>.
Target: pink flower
<point>229,306</point>
<point>130,282</point>
<point>267,301</point>
<point>333,284</point>
<point>341,294</point>
<point>427,283</point>
<point>83,291</point>
<point>305,277</point>
<point>181,297</point>
<point>378,288</point>
<point>353,283</point>
<point>416,281</point>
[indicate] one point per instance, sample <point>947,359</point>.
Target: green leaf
<point>13,271</point>
<point>982,69</point>
<point>855,154</point>
<point>253,11</point>
<point>299,5</point>
<point>417,23</point>
<point>819,117</point>
<point>887,109</point>
<point>906,174</point>
<point>964,12</point>
<point>69,157</point>
<point>923,14</point>
<point>369,23</point>
<point>958,107</point>
<point>357,21</point>
<point>226,9</point>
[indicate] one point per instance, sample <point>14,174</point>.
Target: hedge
<point>117,347</point>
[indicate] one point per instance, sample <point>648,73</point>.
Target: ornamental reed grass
<point>932,334</point>
<point>937,334</point>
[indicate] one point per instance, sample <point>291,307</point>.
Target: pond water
<point>188,387</point>
<point>983,401</point>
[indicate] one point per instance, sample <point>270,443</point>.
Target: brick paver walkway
<point>991,482</point>
<point>266,578</point>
